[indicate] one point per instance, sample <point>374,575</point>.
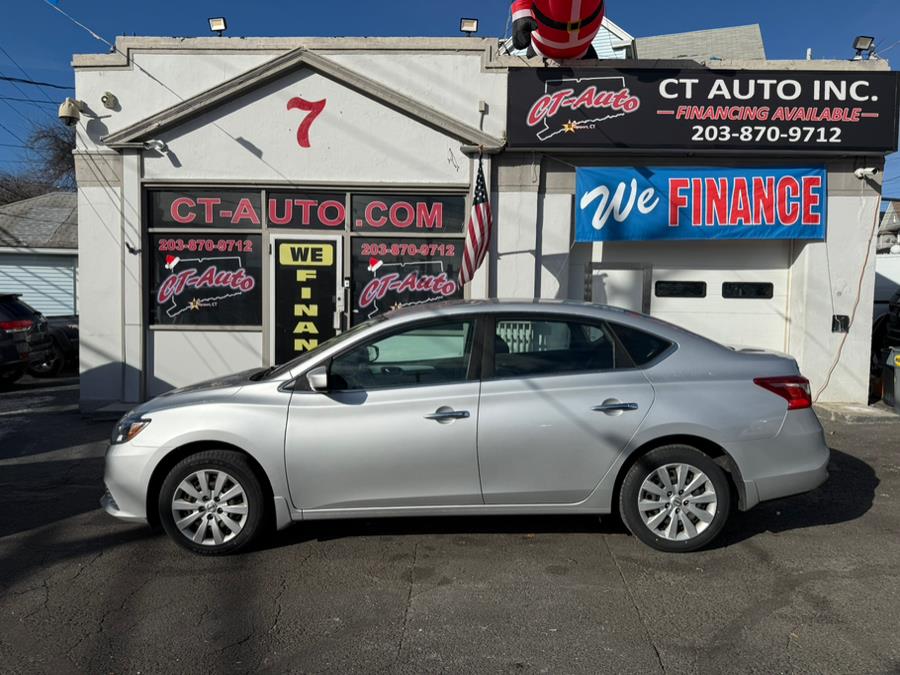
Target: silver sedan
<point>476,408</point>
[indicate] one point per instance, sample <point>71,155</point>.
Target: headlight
<point>127,428</point>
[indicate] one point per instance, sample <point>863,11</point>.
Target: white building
<point>306,171</point>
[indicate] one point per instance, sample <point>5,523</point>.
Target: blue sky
<point>42,41</point>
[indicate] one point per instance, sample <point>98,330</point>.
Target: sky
<point>39,41</point>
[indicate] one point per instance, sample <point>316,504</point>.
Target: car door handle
<point>615,406</point>
<point>447,415</point>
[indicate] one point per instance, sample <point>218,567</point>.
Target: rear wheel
<point>50,366</point>
<point>675,499</point>
<point>211,503</point>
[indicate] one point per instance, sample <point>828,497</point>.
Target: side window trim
<point>671,347</point>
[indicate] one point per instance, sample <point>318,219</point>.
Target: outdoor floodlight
<point>863,43</point>
<point>468,26</point>
<point>218,24</point>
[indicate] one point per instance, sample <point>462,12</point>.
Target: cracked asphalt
<point>804,585</point>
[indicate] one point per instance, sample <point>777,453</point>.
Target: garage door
<point>734,292</point>
<point>46,282</point>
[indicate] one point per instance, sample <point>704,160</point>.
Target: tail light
<point>793,389</point>
<point>17,325</point>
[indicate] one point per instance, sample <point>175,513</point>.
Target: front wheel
<point>675,499</point>
<point>211,502</point>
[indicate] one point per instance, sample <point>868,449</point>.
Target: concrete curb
<point>854,413</point>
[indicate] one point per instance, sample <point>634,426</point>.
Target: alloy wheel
<point>209,507</point>
<point>677,502</point>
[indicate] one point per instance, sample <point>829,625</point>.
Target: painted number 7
<point>314,109</point>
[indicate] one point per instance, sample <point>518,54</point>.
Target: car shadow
<point>330,530</point>
<point>846,496</point>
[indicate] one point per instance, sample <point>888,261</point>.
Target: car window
<point>641,346</point>
<point>12,308</point>
<point>423,355</point>
<point>524,347</point>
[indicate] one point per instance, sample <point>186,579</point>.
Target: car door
<point>396,427</point>
<point>559,401</point>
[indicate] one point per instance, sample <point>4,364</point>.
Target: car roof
<point>500,305</point>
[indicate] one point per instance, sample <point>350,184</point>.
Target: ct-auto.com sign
<point>703,109</point>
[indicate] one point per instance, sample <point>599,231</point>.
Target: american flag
<point>478,233</point>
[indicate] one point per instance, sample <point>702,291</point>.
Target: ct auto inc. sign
<point>645,203</point>
<point>702,109</point>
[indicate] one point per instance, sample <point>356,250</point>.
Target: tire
<point>53,366</point>
<point>236,521</point>
<point>696,524</point>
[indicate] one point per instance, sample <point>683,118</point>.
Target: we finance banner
<point>645,203</point>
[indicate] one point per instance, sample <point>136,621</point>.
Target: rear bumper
<point>792,462</point>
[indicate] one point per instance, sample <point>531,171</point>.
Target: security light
<point>468,26</point>
<point>863,43</point>
<point>156,145</point>
<point>217,24</point>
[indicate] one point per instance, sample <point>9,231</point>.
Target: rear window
<point>13,308</point>
<point>642,347</point>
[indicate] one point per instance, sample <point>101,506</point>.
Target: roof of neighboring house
<point>890,221</point>
<point>45,221</point>
<point>739,42</point>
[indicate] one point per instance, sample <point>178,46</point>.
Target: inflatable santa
<point>557,29</point>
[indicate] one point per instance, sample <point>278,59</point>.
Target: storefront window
<point>193,208</point>
<point>440,214</point>
<point>389,273</point>
<point>306,210</point>
<point>205,279</point>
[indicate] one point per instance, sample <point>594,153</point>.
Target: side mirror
<point>318,378</point>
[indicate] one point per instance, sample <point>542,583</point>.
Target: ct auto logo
<point>601,99</point>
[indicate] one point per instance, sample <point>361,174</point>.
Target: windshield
<point>276,371</point>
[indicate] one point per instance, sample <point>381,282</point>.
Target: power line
<point>22,70</point>
<point>15,110</point>
<point>12,133</point>
<point>26,100</point>
<point>13,145</point>
<point>7,78</point>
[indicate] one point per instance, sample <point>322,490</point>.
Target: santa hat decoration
<point>171,261</point>
<point>375,264</point>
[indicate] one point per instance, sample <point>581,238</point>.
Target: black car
<point>24,338</point>
<point>63,350</point>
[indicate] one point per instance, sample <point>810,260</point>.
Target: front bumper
<point>126,477</point>
<point>108,502</point>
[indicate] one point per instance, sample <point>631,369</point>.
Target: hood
<point>216,389</point>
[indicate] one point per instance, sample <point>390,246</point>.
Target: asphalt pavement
<point>809,584</point>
